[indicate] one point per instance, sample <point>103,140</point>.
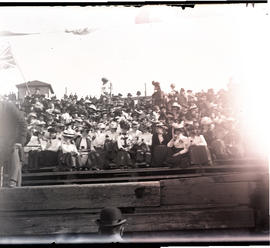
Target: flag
<point>6,58</point>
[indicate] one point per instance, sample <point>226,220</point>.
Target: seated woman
<point>88,157</point>
<point>198,150</point>
<point>178,155</point>
<point>69,155</point>
<point>159,149</point>
<point>34,148</point>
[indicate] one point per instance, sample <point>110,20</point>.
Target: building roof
<point>35,83</point>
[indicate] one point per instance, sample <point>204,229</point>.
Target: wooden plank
<point>108,180</point>
<point>93,180</point>
<point>85,222</point>
<point>80,196</point>
<point>203,190</point>
<point>202,219</point>
<point>141,170</point>
<point>217,177</point>
<point>174,208</point>
<point>238,177</point>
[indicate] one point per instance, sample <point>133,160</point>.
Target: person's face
<point>84,133</point>
<point>53,135</point>
<point>184,111</point>
<point>174,110</point>
<point>177,132</point>
<point>159,130</point>
<point>170,121</point>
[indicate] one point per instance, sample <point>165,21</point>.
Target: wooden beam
<point>56,223</point>
<point>203,190</point>
<point>80,196</point>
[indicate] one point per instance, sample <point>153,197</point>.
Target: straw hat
<point>69,133</point>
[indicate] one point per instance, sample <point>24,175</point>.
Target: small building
<point>35,87</point>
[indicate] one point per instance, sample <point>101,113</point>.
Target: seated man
<point>143,154</point>
<point>178,148</point>
<point>49,156</point>
<point>159,149</point>
<point>89,158</point>
<point>124,143</point>
<point>110,145</point>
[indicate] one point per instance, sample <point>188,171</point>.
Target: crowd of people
<point>113,131</point>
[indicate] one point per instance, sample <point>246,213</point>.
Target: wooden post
<point>145,89</point>
<point>1,175</point>
<point>110,89</point>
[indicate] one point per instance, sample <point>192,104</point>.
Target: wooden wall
<point>223,201</point>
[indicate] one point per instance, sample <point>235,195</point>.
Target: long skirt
<point>67,161</point>
<point>200,155</point>
<point>181,160</point>
<point>159,155</point>
<point>123,159</point>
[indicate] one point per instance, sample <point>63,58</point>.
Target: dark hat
<point>104,80</point>
<point>162,106</point>
<point>155,83</point>
<point>110,217</point>
<point>129,94</point>
<point>138,93</point>
<point>51,129</point>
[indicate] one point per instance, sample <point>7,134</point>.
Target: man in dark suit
<point>13,131</point>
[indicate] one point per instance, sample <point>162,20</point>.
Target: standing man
<point>13,131</point>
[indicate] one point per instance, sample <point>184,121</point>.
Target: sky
<point>196,48</point>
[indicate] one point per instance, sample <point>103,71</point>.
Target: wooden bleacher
<point>228,195</point>
<point>48,176</point>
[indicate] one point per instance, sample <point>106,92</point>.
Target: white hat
<point>206,121</point>
<point>101,126</point>
<point>177,125</point>
<point>189,122</point>
<point>33,114</point>
<point>69,133</point>
<point>92,106</point>
<point>78,119</point>
<point>175,104</point>
<point>193,106</point>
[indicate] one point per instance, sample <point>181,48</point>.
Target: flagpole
<point>110,89</point>
<point>145,89</point>
<point>26,83</point>
<point>18,66</point>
